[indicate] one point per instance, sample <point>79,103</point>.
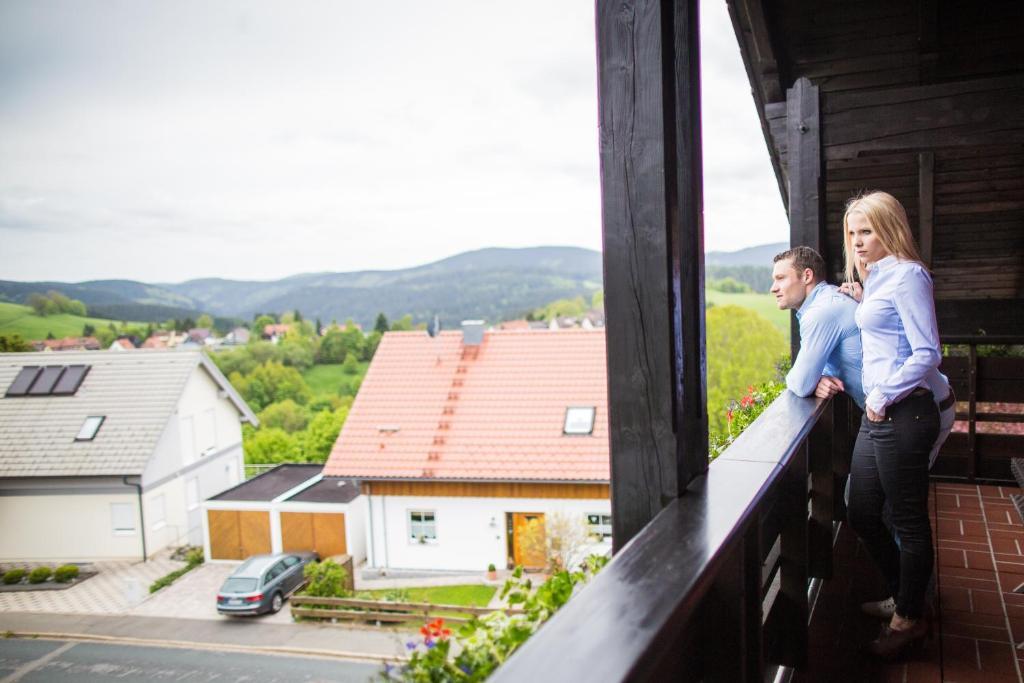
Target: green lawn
<point>18,319</point>
<point>327,379</point>
<point>762,304</point>
<point>476,595</point>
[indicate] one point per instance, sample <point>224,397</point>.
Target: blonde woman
<point>900,337</point>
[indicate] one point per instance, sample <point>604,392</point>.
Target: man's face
<point>788,286</point>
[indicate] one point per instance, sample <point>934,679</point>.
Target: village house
<point>109,456</point>
<point>67,344</point>
<point>480,447</point>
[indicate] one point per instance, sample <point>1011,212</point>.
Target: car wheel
<point>276,603</point>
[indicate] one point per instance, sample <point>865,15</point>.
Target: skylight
<point>579,420</point>
<point>52,380</point>
<point>90,427</point>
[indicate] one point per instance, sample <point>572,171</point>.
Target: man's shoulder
<point>830,304</point>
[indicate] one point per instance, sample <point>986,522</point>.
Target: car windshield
<point>239,585</point>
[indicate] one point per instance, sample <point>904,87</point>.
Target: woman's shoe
<point>891,643</point>
<point>882,609</point>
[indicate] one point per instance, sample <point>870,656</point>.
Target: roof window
<point>52,380</point>
<point>90,427</point>
<point>579,420</point>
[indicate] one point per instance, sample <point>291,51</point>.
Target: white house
<point>109,456</point>
<point>480,447</point>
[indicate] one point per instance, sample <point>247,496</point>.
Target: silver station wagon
<point>262,582</point>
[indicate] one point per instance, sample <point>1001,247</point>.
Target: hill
<point>760,255</point>
<point>20,320</point>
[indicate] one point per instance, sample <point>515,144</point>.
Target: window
<point>599,526</point>
<point>422,526</point>
<point>157,512</point>
<point>192,493</point>
<point>122,519</point>
<point>291,561</point>
<point>53,380</point>
<point>90,427</point>
<point>579,420</point>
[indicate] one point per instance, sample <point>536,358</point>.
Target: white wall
<point>465,538</point>
<point>203,421</point>
<point>66,527</point>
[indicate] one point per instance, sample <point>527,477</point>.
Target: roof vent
<point>472,332</point>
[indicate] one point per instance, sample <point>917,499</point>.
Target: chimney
<point>472,332</point>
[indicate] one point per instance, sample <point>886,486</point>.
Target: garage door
<point>323,532</point>
<point>237,534</point>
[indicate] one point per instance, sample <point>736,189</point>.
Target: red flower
<point>746,401</point>
<point>728,415</point>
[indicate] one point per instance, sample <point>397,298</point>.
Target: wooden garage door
<point>323,532</point>
<point>237,534</point>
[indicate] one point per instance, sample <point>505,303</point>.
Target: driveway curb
<point>213,647</point>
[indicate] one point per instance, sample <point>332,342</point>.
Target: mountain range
<point>492,284</point>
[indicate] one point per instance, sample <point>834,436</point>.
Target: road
<point>58,661</point>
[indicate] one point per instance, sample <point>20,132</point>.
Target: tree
<point>729,285</point>
<point>567,540</point>
<point>206,321</point>
<point>261,322</point>
<point>381,325</point>
<point>13,344</point>
<point>402,325</point>
<point>351,365</point>
<point>743,349</point>
<point>88,330</point>
<point>41,304</point>
<point>287,415</point>
<point>323,430</point>
<point>270,383</point>
<point>270,445</point>
<point>597,301</point>
<point>370,347</point>
<point>332,346</point>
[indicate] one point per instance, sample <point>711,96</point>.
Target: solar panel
<point>72,378</point>
<point>46,380</point>
<point>21,383</point>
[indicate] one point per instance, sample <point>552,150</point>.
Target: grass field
<point>327,379</point>
<point>762,304</point>
<point>20,320</point>
<point>476,595</point>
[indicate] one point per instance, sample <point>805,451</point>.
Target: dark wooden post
<point>733,637</point>
<point>806,178</point>
<point>653,263</point>
<point>972,412</point>
<point>819,532</point>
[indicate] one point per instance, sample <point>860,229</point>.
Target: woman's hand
<point>852,290</point>
<point>873,416</point>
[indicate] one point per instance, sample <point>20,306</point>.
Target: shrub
<point>13,576</point>
<point>40,574</point>
<point>65,573</point>
<point>194,557</point>
<point>326,580</point>
<point>491,567</point>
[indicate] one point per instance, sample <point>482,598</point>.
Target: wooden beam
<point>685,195</point>
<point>806,178</point>
<point>981,321</point>
<point>928,39</point>
<point>653,263</point>
<point>926,205</point>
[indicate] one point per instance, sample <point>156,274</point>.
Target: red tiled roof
<point>428,408</point>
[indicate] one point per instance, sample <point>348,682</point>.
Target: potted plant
<point>492,572</point>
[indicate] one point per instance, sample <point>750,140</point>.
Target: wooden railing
<point>716,587</point>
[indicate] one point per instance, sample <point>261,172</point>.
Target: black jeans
<point>890,465</point>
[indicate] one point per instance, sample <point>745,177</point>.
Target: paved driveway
<point>116,589</point>
<point>193,597</point>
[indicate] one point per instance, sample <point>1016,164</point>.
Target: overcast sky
<point>174,139</point>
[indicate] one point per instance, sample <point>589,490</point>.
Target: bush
<point>194,557</point>
<point>39,574</point>
<point>326,580</point>
<point>65,573</point>
<point>14,576</point>
<point>492,568</point>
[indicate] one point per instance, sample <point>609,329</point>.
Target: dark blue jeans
<point>890,465</point>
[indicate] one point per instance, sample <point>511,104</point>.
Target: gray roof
<point>137,392</point>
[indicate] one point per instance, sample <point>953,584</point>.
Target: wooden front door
<point>323,532</point>
<point>237,534</point>
<point>529,542</point>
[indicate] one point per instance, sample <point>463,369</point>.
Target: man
<point>830,355</point>
<point>830,358</point>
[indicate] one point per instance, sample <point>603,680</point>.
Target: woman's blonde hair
<point>888,219</point>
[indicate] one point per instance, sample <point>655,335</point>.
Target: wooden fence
<point>353,609</point>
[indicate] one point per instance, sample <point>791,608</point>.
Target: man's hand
<point>828,387</point>
<point>873,416</point>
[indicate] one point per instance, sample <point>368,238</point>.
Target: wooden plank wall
<point>899,79</point>
<point>485,489</point>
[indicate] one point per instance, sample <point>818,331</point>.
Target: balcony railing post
<point>732,648</point>
<point>786,630</point>
<point>845,423</point>
<point>819,532</point>
<point>972,412</point>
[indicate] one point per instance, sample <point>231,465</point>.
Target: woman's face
<point>864,240</point>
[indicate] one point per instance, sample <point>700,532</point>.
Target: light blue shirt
<point>899,333</point>
<point>829,343</point>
